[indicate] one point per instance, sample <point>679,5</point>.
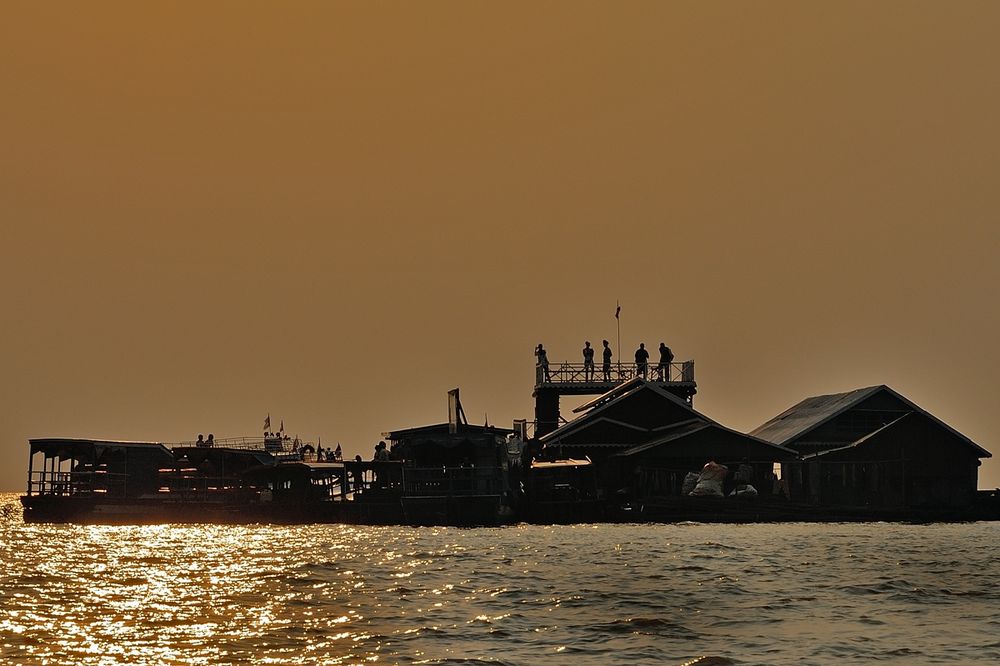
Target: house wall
<point>661,470</point>
<point>915,462</point>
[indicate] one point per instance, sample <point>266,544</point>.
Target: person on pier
<point>543,361</point>
<point>607,361</point>
<point>666,358</point>
<point>641,361</point>
<point>588,361</point>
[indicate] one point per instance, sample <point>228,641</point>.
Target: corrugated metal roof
<point>810,413</point>
<point>813,412</point>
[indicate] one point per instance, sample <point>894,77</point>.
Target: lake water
<point>588,594</point>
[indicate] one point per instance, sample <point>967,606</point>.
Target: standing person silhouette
<point>543,362</point>
<point>606,366</point>
<point>666,358</point>
<point>641,361</point>
<point>588,361</point>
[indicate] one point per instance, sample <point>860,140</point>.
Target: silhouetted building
<point>874,447</point>
<point>643,437</point>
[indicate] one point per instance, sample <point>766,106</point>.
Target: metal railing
<point>187,484</point>
<point>396,478</point>
<point>578,373</point>
<point>269,444</point>
<point>64,484</point>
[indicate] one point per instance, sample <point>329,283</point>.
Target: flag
<point>618,311</point>
<point>282,426</point>
<point>267,423</point>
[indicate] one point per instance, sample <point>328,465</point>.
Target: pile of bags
<point>709,482</point>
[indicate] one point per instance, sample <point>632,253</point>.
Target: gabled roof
<point>627,432</point>
<point>621,389</point>
<point>682,430</point>
<point>614,397</point>
<point>811,413</point>
<point>672,434</point>
<point>980,451</point>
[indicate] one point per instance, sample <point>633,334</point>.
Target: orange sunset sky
<point>335,212</point>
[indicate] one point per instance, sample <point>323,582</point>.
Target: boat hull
<point>429,510</point>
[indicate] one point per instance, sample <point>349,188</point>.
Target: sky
<point>335,212</point>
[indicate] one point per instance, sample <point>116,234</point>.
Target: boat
<point>271,479</point>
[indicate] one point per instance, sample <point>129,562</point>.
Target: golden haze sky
<point>335,212</point>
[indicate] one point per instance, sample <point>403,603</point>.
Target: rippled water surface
<point>595,594</point>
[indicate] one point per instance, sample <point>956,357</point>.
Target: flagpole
<point>618,311</point>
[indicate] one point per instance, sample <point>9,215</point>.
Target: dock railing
<point>269,444</point>
<point>49,482</point>
<point>578,373</point>
<point>394,477</point>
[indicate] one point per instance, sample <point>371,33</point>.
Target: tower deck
<point>576,379</point>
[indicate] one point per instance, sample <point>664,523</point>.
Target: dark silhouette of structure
<point>578,379</point>
<point>640,435</point>
<point>872,447</point>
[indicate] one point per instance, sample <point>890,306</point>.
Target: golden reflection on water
<point>334,594</point>
<point>174,594</point>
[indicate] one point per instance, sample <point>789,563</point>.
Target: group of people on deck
<point>641,362</point>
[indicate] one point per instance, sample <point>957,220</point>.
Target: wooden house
<point>874,447</point>
<point>644,438</point>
